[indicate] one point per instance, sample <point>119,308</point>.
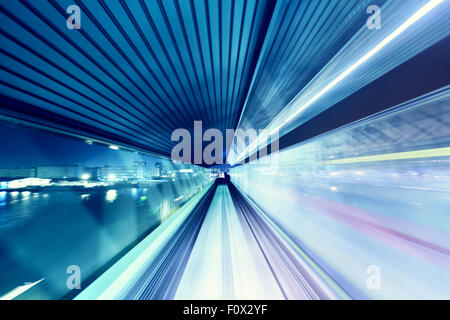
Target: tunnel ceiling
<point>137,70</point>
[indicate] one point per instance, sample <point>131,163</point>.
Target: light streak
<point>19,290</point>
<point>179,198</point>
<point>397,32</point>
<point>417,154</point>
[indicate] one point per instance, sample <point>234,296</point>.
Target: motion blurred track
<point>227,261</point>
<point>226,248</point>
<point>160,279</point>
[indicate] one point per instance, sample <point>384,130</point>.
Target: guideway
<point>225,248</point>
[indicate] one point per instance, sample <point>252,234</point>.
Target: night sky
<point>27,147</point>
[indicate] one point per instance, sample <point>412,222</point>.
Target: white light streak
<point>19,290</point>
<point>178,199</point>
<point>413,19</point>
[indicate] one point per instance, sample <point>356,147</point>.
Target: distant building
<point>153,172</point>
<point>59,172</point>
<point>161,169</point>
<point>90,173</point>
<point>139,164</point>
<point>121,173</point>
<point>18,173</point>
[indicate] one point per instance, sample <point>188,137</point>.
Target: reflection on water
<point>3,195</point>
<point>134,192</point>
<point>111,195</point>
<point>26,195</point>
<point>20,206</point>
<point>85,196</point>
<point>42,233</point>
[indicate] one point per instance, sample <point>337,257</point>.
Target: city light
<point>179,198</point>
<point>86,176</point>
<point>111,196</point>
<point>114,147</point>
<point>26,195</point>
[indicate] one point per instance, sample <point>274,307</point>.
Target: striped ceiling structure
<point>137,70</point>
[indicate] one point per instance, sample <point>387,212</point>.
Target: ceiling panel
<point>135,71</point>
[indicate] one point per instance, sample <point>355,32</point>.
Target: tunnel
<point>224,150</point>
